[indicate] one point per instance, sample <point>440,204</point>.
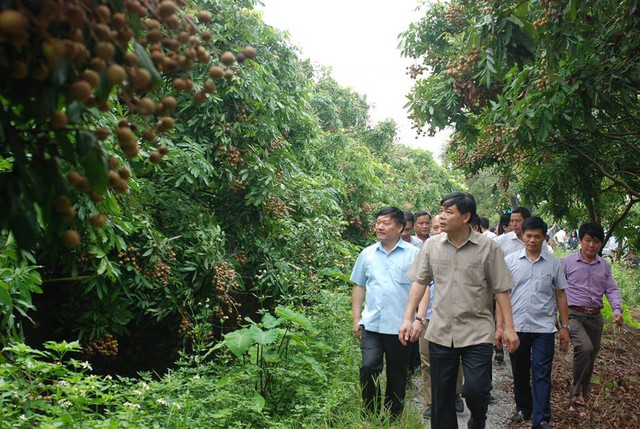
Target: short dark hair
<point>593,229</point>
<point>505,219</point>
<point>534,222</point>
<point>464,201</point>
<point>409,217</point>
<point>475,220</point>
<point>394,213</point>
<point>422,213</point>
<point>525,212</point>
<point>484,222</point>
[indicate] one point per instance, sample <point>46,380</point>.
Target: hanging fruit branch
<point>63,64</point>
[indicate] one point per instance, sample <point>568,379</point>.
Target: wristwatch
<point>420,319</point>
<point>565,327</point>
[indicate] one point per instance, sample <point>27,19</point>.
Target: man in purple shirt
<point>588,278</point>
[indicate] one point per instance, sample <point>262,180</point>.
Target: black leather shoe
<point>520,417</point>
<point>426,414</point>
<point>459,404</point>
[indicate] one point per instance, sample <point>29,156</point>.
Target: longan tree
<point>86,86</point>
<point>543,93</point>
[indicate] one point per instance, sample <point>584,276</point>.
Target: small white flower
<point>23,417</point>
<point>196,377</point>
<point>63,383</point>
<point>131,405</point>
<point>177,406</point>
<point>86,365</point>
<point>163,402</point>
<point>138,392</point>
<point>64,403</point>
<point>108,377</point>
<point>145,386</point>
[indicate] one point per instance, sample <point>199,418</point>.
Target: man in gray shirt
<point>539,289</point>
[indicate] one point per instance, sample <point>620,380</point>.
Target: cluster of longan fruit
<point>276,207</point>
<point>276,145</point>
<point>106,346</point>
<point>224,279</point>
<point>232,157</point>
<point>550,11</point>
<point>85,49</point>
<point>238,185</point>
<point>130,256</point>
<point>159,271</point>
<point>185,327</point>
<point>464,64</point>
<point>454,14</point>
<point>542,83</point>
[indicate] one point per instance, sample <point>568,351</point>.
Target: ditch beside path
<point>500,408</point>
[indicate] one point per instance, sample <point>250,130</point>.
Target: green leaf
<point>5,296</point>
<point>93,161</point>
<point>269,322</point>
<point>263,337</point>
<point>295,317</point>
<point>258,401</point>
<point>238,341</point>
<point>146,62</point>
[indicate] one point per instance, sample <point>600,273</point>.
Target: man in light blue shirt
<point>539,291</point>
<point>382,285</point>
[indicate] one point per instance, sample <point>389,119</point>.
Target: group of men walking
<point>447,283</point>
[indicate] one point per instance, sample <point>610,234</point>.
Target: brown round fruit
<point>209,86</point>
<point>169,103</point>
<point>216,72</point>
<point>105,50</point>
<point>167,8</point>
<point>116,74</point>
<point>199,97</point>
<point>204,16</point>
<point>163,150</point>
<point>102,133</point>
<point>97,220</point>
<point>71,238</point>
<point>227,58</point>
<point>155,157</point>
<point>80,91</point>
<point>74,178</point>
<point>59,120</point>
<point>250,52</point>
<point>13,22</point>
<point>92,77</point>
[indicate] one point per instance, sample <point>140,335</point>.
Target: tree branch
<point>602,171</point>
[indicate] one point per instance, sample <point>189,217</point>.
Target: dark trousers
<point>376,348</point>
<point>586,333</point>
<point>532,364</point>
<point>476,365</point>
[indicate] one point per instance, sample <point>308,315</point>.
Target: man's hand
<point>499,338</point>
<point>357,330</point>
<point>511,340</point>
<point>417,328</point>
<point>563,335</point>
<point>617,319</point>
<point>404,335</point>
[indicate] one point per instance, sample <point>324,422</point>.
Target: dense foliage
<point>543,93</point>
<point>268,182</point>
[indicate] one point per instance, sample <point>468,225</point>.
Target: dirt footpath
<point>500,408</point>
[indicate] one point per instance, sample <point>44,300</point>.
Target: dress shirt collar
<point>596,260</point>
<point>473,238</point>
<point>523,254</point>
<point>400,243</point>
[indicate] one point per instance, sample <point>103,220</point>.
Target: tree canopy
<point>542,93</point>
